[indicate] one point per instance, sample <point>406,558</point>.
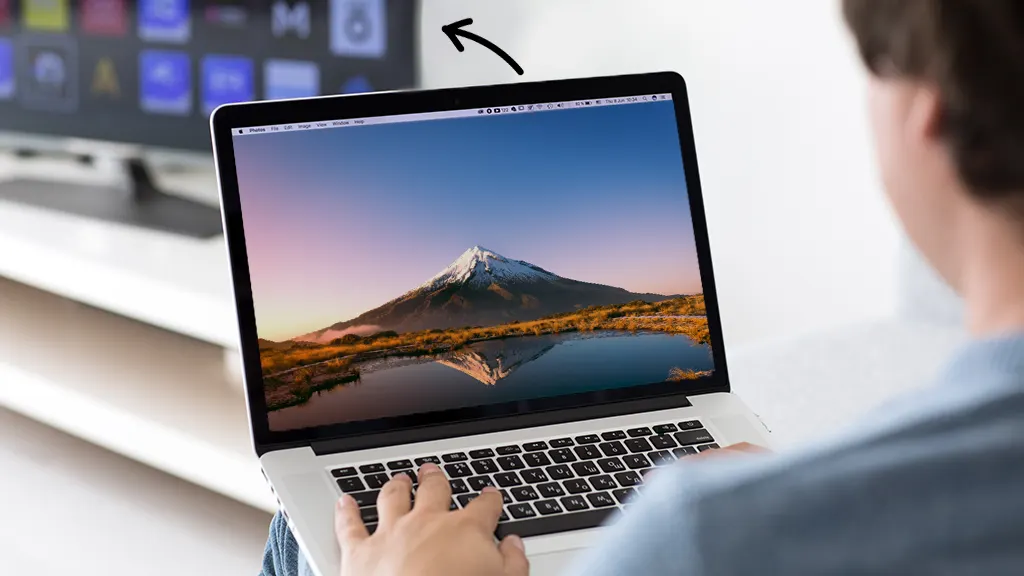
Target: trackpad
<point>551,563</point>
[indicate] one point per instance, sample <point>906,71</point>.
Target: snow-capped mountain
<point>481,267</point>
<point>481,288</point>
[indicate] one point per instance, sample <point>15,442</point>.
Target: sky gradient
<point>340,221</point>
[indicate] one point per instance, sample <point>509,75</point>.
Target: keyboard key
<point>399,465</point>
<point>371,468</point>
<point>603,483</point>
<point>458,470</point>
<point>371,528</point>
<point>506,479</point>
<point>458,486</point>
<point>452,506</point>
<point>425,459</point>
<point>505,498</point>
<point>613,448</point>
<point>534,476</point>
<point>576,486</point>
<point>707,447</point>
<point>344,472</point>
<point>548,507</point>
<point>504,516</point>
<point>574,503</point>
<point>690,425</point>
<point>610,465</point>
<point>365,499</point>
<point>665,428</point>
<point>535,446</point>
<point>484,453</point>
<point>535,459</point>
<point>614,435</point>
<point>511,463</point>
<point>506,450</point>
<point>561,456</point>
<point>587,452</point>
<point>560,442</point>
<point>351,485</point>
<point>662,442</point>
<point>484,466</point>
<point>628,479</point>
<point>412,475</point>
<point>465,499</point>
<point>478,483</point>
<point>550,490</point>
<point>523,510</point>
<point>637,432</point>
<point>636,445</point>
<point>561,472</point>
<point>684,451</point>
<point>693,437</point>
<point>524,494</point>
<point>600,499</point>
<point>588,439</point>
<point>661,458</point>
<point>455,457</point>
<point>586,468</point>
<point>635,461</point>
<point>623,494</point>
<point>376,481</point>
<point>369,515</point>
<point>644,472</point>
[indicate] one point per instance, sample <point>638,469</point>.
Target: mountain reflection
<point>492,361</point>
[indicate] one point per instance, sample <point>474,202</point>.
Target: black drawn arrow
<point>454,30</point>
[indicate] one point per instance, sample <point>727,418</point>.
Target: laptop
<point>513,282</point>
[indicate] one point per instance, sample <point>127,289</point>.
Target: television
<point>148,73</point>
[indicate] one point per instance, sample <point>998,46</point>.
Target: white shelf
<point>173,282</point>
<point>154,396</point>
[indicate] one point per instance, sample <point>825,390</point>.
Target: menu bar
<point>469,112</point>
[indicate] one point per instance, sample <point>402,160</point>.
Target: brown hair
<point>972,51</point>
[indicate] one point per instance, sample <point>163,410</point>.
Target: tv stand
<point>137,202</point>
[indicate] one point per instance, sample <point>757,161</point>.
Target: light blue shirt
<point>933,484</point>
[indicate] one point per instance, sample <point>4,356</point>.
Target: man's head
<point>947,108</point>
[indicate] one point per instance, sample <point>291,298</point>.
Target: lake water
<point>500,371</point>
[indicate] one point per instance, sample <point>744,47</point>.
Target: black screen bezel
<point>483,418</point>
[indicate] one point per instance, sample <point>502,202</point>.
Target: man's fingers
<point>514,554</point>
<point>394,500</point>
<point>434,493</point>
<point>348,525</point>
<point>485,509</point>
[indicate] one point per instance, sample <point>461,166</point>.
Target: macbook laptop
<point>513,282</point>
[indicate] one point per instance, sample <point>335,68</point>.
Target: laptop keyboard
<point>548,486</point>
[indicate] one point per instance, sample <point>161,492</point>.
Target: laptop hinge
<point>487,426</point>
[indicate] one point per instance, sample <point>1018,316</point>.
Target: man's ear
<point>924,113</point>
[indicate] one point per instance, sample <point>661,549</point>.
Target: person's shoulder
<point>897,486</point>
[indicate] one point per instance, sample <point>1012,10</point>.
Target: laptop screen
<point>413,264</point>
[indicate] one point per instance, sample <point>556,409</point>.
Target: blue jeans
<point>282,556</point>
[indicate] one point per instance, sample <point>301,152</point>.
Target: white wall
<point>801,236</point>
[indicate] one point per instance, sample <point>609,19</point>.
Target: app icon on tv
<point>358,28</point>
<point>290,79</point>
<point>164,21</point>
<point>104,17</point>
<point>165,82</point>
<point>48,73</point>
<point>226,79</point>
<point>356,85</point>
<point>7,80</point>
<point>46,15</point>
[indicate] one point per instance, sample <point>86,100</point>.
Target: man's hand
<point>734,450</point>
<point>427,539</point>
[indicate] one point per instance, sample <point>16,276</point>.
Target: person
<point>929,485</point>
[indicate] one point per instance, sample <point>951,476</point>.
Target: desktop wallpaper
<point>422,266</point>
